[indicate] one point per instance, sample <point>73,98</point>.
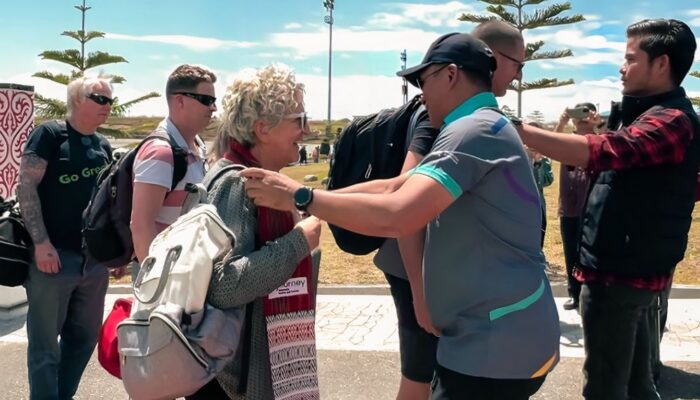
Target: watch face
<point>302,196</point>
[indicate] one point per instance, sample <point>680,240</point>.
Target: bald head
<point>499,35</point>
<point>508,47</point>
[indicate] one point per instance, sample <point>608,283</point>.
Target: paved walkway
<point>358,352</point>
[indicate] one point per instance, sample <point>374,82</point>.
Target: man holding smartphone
<point>639,210</point>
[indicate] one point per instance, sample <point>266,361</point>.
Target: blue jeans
<point>69,304</point>
<point>617,342</point>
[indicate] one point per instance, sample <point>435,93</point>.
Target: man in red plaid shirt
<point>636,221</point>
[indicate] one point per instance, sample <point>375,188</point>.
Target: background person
<point>65,291</point>
<point>574,183</point>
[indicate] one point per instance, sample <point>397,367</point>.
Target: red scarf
<point>273,224</point>
<point>289,310</point>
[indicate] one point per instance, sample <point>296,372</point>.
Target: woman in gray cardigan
<point>268,271</point>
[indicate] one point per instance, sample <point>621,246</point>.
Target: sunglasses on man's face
<point>521,64</point>
<point>420,81</point>
<point>303,119</point>
<point>100,99</point>
<point>204,99</point>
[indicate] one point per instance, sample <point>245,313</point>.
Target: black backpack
<point>15,245</point>
<point>106,219</point>
<point>371,147</point>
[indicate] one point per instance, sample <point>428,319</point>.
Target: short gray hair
<point>498,35</point>
<point>81,87</point>
<point>266,94</point>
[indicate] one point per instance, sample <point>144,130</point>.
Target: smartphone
<point>578,112</point>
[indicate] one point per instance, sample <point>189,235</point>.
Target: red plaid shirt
<point>657,137</point>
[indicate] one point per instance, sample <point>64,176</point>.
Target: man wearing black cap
<point>402,260</point>
<point>485,286</point>
<point>639,210</point>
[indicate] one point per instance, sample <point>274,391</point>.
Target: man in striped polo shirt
<point>191,102</point>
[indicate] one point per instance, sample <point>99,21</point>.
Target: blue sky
<point>230,36</point>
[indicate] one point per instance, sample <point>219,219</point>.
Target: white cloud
<point>694,22</point>
<point>351,95</point>
<point>307,44</point>
<point>292,25</point>
<point>575,38</point>
<point>551,102</point>
<point>433,15</point>
<point>589,26</point>
<point>584,58</point>
<point>693,13</point>
<point>196,43</point>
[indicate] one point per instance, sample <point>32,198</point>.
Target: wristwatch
<point>516,121</point>
<point>303,197</point>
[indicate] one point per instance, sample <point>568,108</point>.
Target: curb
<point>558,290</point>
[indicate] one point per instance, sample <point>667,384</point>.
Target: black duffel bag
<point>15,245</point>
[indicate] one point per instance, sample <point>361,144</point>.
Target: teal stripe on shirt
<point>441,177</point>
<point>521,305</point>
<point>481,100</point>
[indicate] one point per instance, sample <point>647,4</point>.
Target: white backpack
<point>180,262</point>
<point>174,343</point>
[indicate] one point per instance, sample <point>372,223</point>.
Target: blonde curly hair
<point>266,94</point>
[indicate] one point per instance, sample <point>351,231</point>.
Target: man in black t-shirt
<point>65,292</point>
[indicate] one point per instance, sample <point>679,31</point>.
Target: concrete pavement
<point>358,352</point>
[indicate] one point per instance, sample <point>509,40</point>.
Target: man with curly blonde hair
<point>157,199</point>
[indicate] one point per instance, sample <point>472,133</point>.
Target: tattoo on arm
<point>31,172</point>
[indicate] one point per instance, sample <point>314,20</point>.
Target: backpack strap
<point>412,123</point>
<point>223,171</point>
<point>179,155</point>
<point>63,128</point>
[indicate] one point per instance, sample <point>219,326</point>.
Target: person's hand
<point>46,258</point>
<point>118,272</point>
<point>270,189</point>
<point>594,118</point>
<point>422,315</point>
<point>311,227</point>
<point>564,118</point>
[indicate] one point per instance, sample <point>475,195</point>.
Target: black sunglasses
<point>204,99</point>
<point>419,82</point>
<point>521,64</point>
<point>100,99</point>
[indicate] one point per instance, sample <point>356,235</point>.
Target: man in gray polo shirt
<point>484,279</point>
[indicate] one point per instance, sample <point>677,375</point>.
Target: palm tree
<point>52,108</point>
<point>543,17</point>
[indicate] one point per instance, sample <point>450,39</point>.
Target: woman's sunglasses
<point>302,117</point>
<point>100,99</point>
<point>204,99</point>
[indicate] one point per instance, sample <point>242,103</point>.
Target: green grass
<point>339,267</point>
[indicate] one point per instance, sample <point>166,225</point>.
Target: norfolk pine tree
<point>695,100</point>
<point>548,16</point>
<point>52,108</point>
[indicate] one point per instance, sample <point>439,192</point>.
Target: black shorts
<point>418,348</point>
<point>451,385</point>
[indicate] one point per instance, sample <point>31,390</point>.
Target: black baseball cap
<point>461,49</point>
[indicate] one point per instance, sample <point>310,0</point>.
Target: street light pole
<point>404,86</point>
<point>329,4</point>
